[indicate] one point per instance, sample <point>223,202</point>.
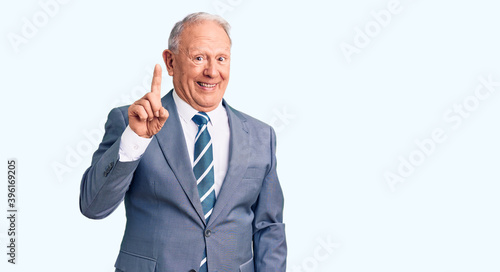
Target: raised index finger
<point>156,83</point>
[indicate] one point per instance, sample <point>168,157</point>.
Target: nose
<point>211,70</point>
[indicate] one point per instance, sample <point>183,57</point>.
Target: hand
<point>147,116</point>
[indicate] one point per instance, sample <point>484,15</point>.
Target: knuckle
<point>145,103</point>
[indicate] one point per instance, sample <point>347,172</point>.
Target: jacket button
<point>208,233</point>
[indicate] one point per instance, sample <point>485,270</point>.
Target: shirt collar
<point>186,111</point>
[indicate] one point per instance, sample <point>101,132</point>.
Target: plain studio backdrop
<point>386,112</point>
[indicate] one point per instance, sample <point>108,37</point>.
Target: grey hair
<point>174,39</point>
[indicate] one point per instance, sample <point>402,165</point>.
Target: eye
<point>199,58</point>
<point>221,58</point>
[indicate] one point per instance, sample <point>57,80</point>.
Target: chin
<point>209,104</point>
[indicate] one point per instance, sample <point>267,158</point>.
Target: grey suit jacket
<point>166,230</point>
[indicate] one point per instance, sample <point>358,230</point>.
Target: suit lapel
<point>173,145</point>
<point>239,152</point>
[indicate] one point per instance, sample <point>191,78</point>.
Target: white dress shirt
<point>132,146</point>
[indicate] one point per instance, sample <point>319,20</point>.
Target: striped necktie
<point>203,168</point>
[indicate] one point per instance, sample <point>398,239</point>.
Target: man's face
<point>200,68</point>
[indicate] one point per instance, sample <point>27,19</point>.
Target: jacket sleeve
<point>106,181</point>
<point>269,239</point>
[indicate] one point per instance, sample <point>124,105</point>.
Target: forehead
<point>205,35</point>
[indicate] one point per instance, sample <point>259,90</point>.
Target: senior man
<point>198,177</point>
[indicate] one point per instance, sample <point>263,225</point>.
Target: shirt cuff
<point>132,146</point>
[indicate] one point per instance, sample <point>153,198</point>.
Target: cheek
<point>225,73</point>
<point>194,72</point>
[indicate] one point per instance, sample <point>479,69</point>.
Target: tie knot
<point>201,118</point>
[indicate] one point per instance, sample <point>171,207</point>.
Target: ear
<point>168,58</point>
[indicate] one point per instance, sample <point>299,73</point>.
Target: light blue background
<point>341,125</point>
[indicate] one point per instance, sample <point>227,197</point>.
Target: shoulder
<point>119,114</point>
<point>252,121</point>
<point>123,110</point>
<point>256,128</point>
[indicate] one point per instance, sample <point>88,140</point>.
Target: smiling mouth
<point>206,85</point>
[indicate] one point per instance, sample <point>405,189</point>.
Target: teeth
<point>207,85</point>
